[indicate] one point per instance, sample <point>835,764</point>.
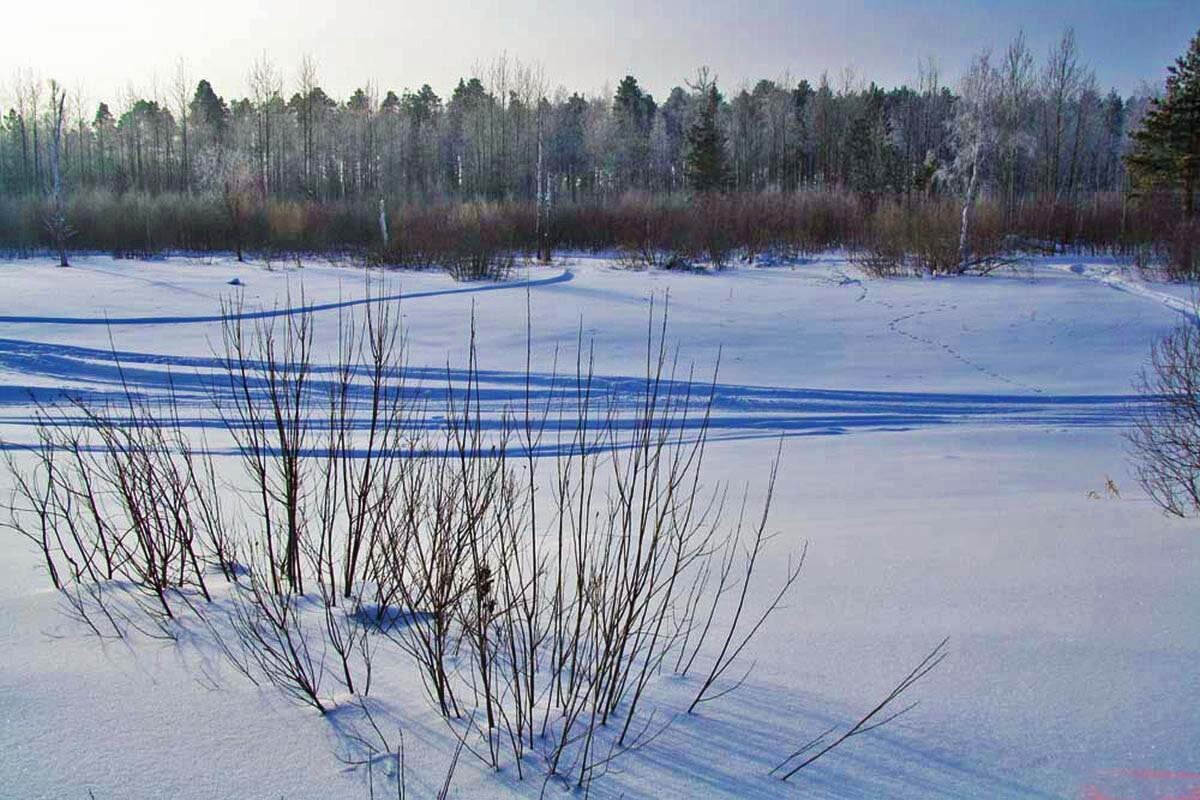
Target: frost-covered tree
<point>1015,114</point>
<point>1062,81</point>
<point>230,176</point>
<point>976,133</point>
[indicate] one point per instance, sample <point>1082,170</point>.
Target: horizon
<point>883,42</point>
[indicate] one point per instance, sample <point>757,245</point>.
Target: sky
<point>105,49</point>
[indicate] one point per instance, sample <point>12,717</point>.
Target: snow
<point>943,437</point>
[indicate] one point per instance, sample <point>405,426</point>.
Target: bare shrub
<point>541,565</point>
<point>923,238</point>
<point>896,234</point>
<point>651,234</point>
<point>113,496</point>
<point>1165,440</point>
<point>471,241</point>
<point>272,638</point>
<point>713,223</point>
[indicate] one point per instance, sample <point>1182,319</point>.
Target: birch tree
<point>181,96</point>
<point>975,131</point>
<point>56,220</point>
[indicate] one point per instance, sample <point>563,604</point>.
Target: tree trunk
<point>58,216</point>
<point>1189,211</point>
<point>964,234</point>
<point>383,226</point>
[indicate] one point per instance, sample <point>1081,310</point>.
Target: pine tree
<point>209,109</point>
<point>706,162</point>
<point>103,124</point>
<point>1167,147</point>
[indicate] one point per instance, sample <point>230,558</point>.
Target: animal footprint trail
<point>895,326</point>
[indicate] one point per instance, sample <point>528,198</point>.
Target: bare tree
<point>265,87</point>
<point>81,134</point>
<point>1061,81</point>
<point>56,218</point>
<point>181,94</point>
<point>32,90</point>
<point>1016,93</point>
<point>306,80</point>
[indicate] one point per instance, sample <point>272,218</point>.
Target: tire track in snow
<point>143,279</point>
<point>100,378</point>
<point>563,277</point>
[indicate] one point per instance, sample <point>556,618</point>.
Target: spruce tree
<point>633,115</point>
<point>868,147</point>
<point>706,162</point>
<point>1167,146</point>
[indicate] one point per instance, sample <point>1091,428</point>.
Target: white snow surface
<point>942,439</point>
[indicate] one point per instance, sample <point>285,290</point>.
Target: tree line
<point>1025,154</point>
<point>503,135</point>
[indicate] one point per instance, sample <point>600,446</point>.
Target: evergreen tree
<point>706,160</point>
<point>422,110</point>
<point>103,124</point>
<point>209,109</point>
<point>568,144</point>
<point>359,102</point>
<point>802,142</point>
<point>471,136</point>
<point>868,147</point>
<point>1167,147</point>
<point>485,140</point>
<point>633,117</point>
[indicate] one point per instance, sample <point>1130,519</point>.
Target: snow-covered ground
<point>948,444</point>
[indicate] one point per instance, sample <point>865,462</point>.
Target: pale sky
<point>106,46</point>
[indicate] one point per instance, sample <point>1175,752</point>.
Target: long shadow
<point>563,277</point>
<point>729,750</point>
<point>63,375</point>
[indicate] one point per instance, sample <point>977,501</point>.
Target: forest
<point>703,175</point>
